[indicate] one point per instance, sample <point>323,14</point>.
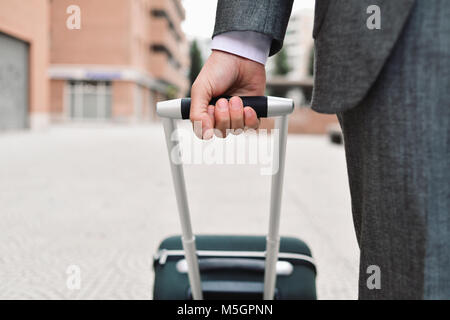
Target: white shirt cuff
<point>248,44</point>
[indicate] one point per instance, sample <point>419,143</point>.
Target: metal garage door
<point>13,83</point>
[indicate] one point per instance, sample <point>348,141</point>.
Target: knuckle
<point>194,116</point>
<point>222,112</point>
<point>237,112</point>
<point>195,85</point>
<point>221,123</point>
<point>222,116</point>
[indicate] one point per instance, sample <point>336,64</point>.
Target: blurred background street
<point>84,175</point>
<point>102,198</point>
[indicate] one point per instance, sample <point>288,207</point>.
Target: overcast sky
<point>200,16</point>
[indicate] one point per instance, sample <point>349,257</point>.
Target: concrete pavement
<point>101,198</point>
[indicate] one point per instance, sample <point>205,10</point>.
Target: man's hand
<point>226,74</point>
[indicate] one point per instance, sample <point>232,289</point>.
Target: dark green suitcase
<point>232,267</point>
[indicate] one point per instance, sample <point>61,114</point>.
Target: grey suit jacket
<point>349,56</point>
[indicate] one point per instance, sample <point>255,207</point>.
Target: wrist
<point>235,56</point>
<point>246,44</point>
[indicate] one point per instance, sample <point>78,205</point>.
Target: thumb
<point>201,116</point>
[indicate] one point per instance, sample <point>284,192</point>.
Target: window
<point>89,99</point>
<point>163,14</point>
<point>163,49</point>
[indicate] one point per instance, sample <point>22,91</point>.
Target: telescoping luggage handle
<point>172,110</point>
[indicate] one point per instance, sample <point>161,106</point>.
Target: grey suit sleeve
<point>265,16</point>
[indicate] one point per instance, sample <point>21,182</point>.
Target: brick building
<point>125,55</point>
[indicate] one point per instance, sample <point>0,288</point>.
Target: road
<point>100,198</point>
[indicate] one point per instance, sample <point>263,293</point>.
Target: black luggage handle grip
<point>264,106</point>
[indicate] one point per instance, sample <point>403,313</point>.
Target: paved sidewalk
<point>102,199</point>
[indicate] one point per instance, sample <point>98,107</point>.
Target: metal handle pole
<point>188,238</point>
<point>273,237</point>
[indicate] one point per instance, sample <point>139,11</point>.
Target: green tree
<point>171,92</point>
<point>282,66</point>
<point>196,62</point>
<point>281,69</point>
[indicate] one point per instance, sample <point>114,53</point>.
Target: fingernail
<point>222,104</point>
<point>235,104</point>
<point>248,112</point>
